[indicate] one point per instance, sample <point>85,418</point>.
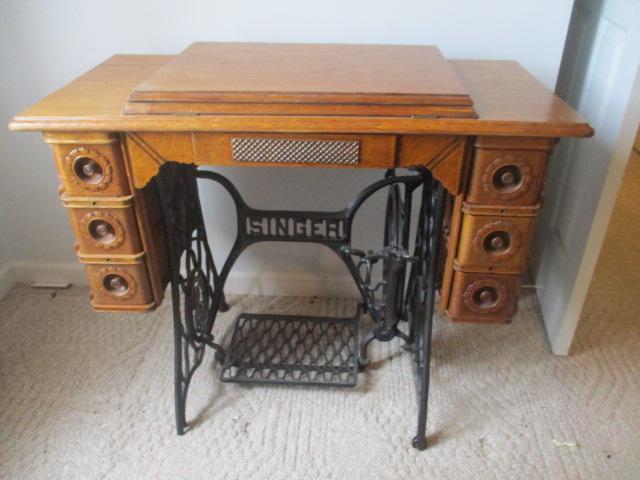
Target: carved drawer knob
<point>497,242</point>
<point>500,240</point>
<point>485,296</point>
<point>507,178</point>
<point>102,231</point>
<point>88,170</point>
<point>116,285</point>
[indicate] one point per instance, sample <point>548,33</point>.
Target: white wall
<point>45,44</point>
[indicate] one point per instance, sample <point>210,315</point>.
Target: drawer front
<point>495,243</point>
<point>109,229</point>
<point>502,174</point>
<point>317,150</point>
<point>496,217</point>
<point>120,287</point>
<point>485,298</point>
<point>119,236</point>
<point>94,167</point>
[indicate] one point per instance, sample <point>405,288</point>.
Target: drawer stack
<point>495,222</point>
<point>119,247</point>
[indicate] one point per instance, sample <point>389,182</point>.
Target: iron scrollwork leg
<point>422,286</point>
<point>196,290</point>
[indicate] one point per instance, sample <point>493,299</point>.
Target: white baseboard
<point>7,279</point>
<point>280,284</point>
<point>54,273</point>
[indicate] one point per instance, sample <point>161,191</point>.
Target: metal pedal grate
<point>291,349</point>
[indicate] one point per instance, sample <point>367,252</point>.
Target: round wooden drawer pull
<point>486,297</point>
<point>102,231</point>
<point>88,170</point>
<point>497,242</point>
<point>116,285</point>
<point>507,179</point>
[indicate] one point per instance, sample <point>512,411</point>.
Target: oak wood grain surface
<point>507,99</point>
<point>327,73</point>
<point>485,129</point>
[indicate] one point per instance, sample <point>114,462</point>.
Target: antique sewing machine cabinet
<point>464,145</point>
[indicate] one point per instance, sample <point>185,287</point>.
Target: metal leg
<point>363,360</point>
<point>422,372</point>
<point>181,386</point>
<point>422,303</point>
<point>196,290</point>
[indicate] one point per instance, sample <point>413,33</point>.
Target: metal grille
<point>293,350</point>
<point>265,150</point>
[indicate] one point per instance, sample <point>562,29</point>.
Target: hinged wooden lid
<point>297,79</point>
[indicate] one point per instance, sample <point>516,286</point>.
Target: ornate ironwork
<point>420,300</point>
<point>196,289</point>
<point>389,301</point>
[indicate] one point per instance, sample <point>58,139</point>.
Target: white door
<point>597,76</point>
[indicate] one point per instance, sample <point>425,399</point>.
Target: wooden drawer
<point>104,228</point>
<point>148,150</point>
<point>503,174</point>
<point>273,149</point>
<point>495,243</point>
<point>483,297</point>
<point>118,287</point>
<point>90,164</point>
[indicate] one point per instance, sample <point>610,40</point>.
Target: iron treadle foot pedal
<point>291,349</point>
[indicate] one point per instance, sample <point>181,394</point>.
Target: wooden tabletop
<point>305,73</point>
<point>506,98</point>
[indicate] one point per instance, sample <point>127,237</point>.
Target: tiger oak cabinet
<point>481,130</point>
<point>484,128</point>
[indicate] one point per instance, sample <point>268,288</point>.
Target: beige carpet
<point>89,396</point>
<point>614,293</point>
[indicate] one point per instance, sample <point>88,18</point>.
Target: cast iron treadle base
<point>305,350</point>
<point>291,349</point>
